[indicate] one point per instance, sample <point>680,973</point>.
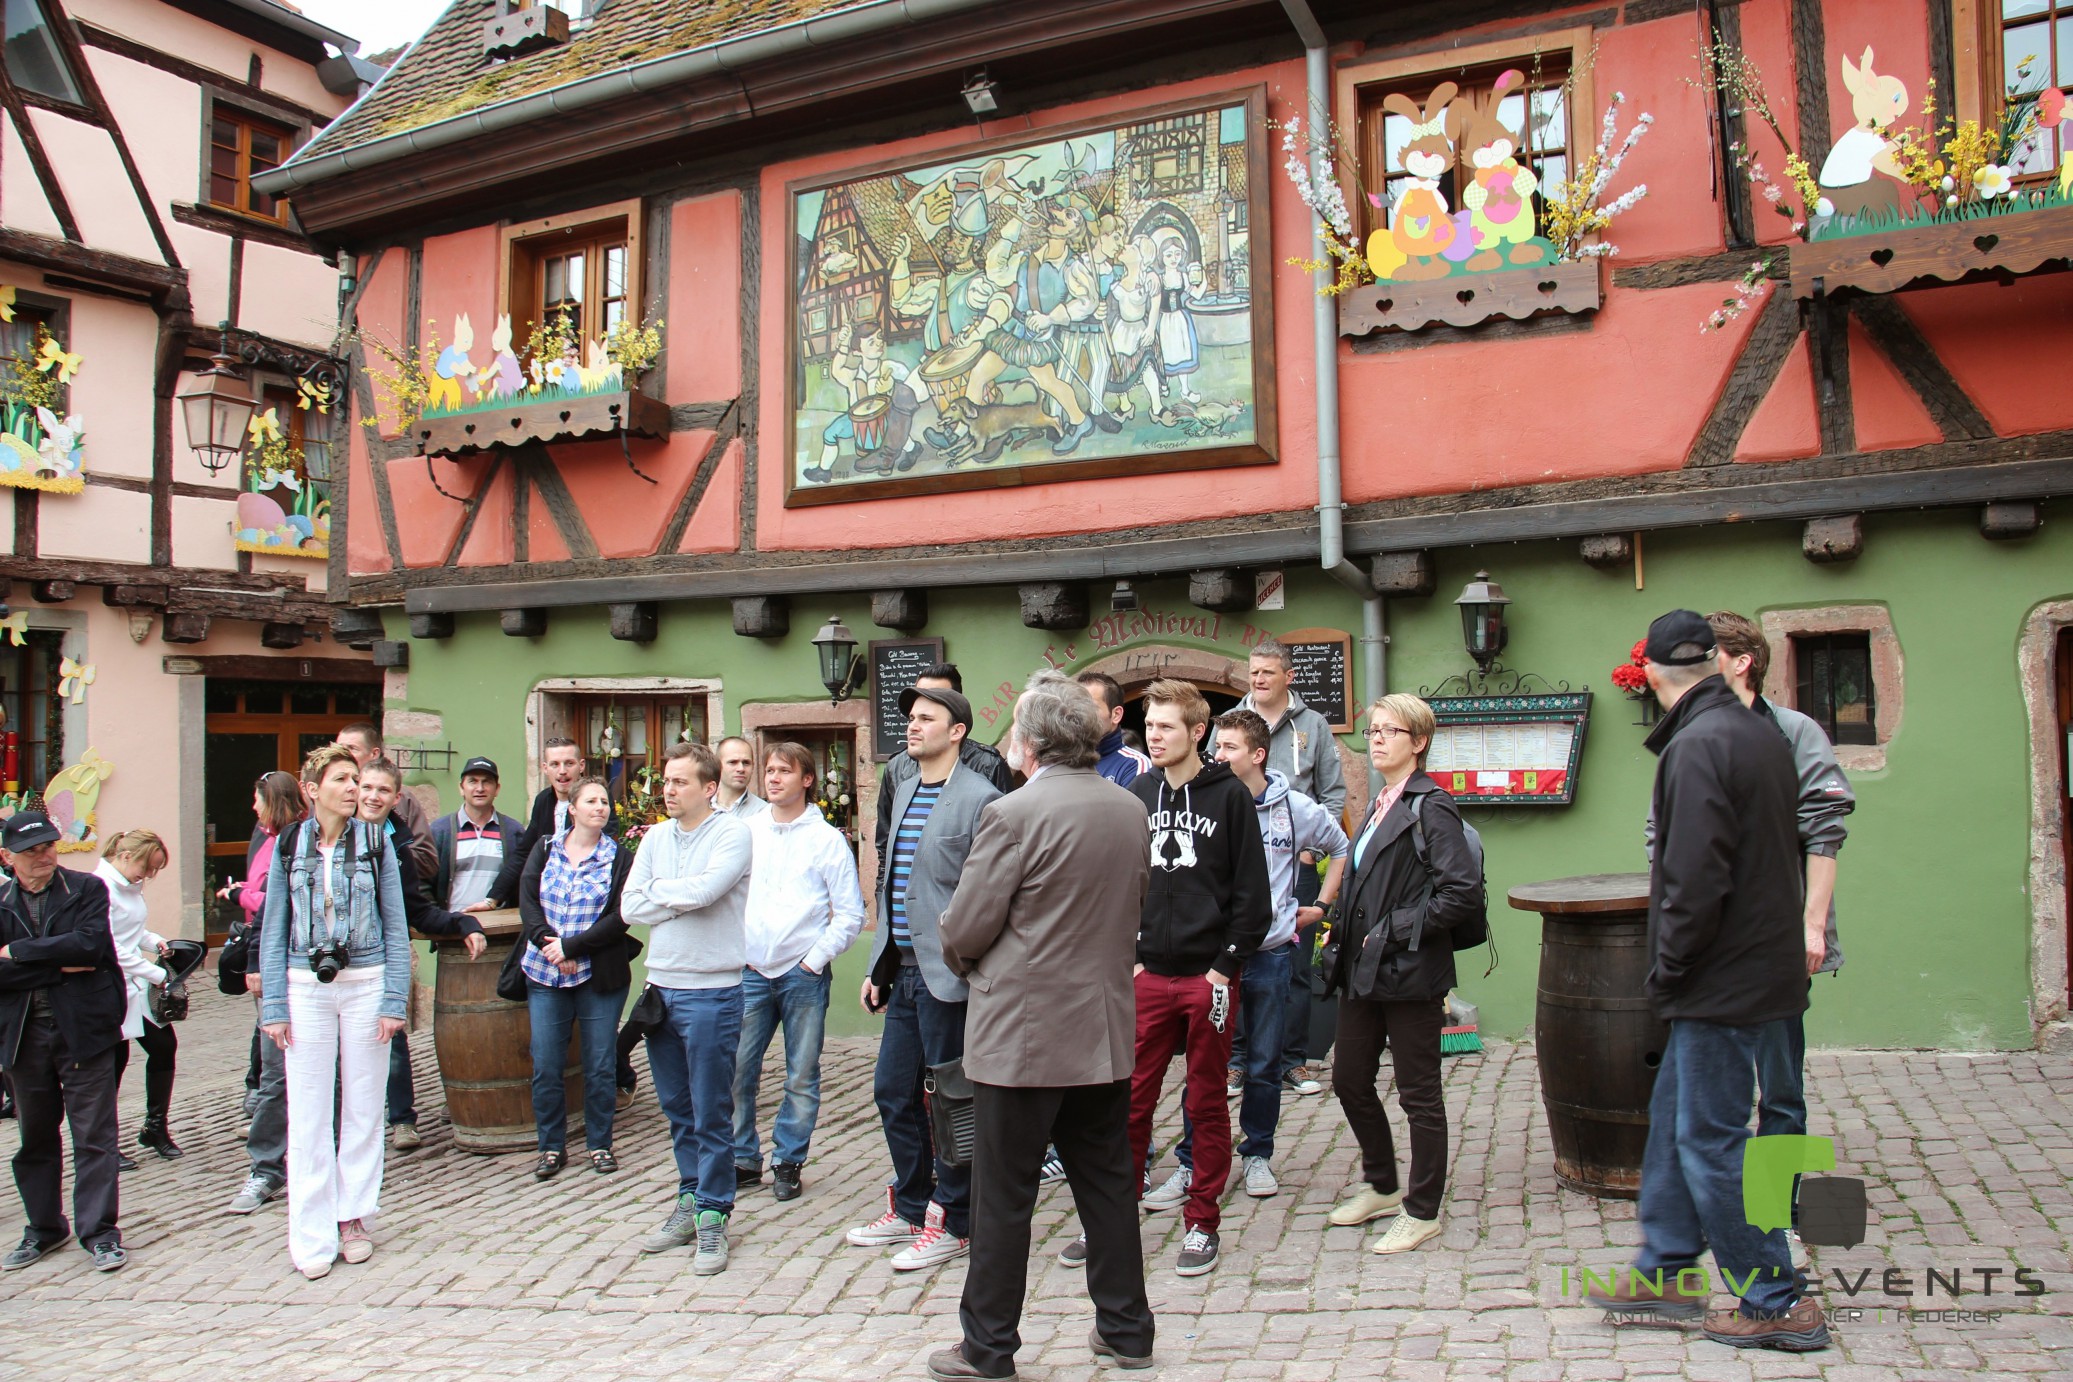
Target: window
<point>585,265</point>
<point>621,735</point>
<point>240,148</point>
<point>1537,114</point>
<point>35,60</point>
<point>35,732</point>
<point>21,383</point>
<point>2035,51</point>
<point>307,430</point>
<point>1834,685</point>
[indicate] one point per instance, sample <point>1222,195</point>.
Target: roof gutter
<point>823,32</point>
<point>280,16</point>
<point>1324,322</point>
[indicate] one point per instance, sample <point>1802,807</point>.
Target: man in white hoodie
<point>805,908</point>
<point>690,882</point>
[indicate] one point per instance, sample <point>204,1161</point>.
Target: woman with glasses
<point>1413,876</point>
<point>577,964</point>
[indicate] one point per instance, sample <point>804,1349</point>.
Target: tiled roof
<point>445,73</point>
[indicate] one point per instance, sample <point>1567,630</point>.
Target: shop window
<point>1834,685</point>
<point>35,729</point>
<point>621,735</point>
<point>585,266</point>
<point>35,57</point>
<point>240,148</point>
<point>1539,112</point>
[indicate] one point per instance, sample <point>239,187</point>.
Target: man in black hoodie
<point>1727,963</point>
<point>1205,913</point>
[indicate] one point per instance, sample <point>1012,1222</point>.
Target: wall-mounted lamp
<point>842,671</point>
<point>218,409</point>
<point>1123,598</point>
<point>1482,603</point>
<point>982,94</point>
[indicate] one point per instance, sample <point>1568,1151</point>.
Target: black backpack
<point>1475,931</point>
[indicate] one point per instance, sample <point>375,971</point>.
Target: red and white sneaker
<point>932,1247</point>
<point>884,1231</point>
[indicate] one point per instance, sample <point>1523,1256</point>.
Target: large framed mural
<point>1092,300</point>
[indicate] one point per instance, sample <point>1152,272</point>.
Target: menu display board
<point>1509,750</point>
<point>1321,672</point>
<point>895,664</point>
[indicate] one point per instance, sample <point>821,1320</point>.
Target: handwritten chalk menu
<point>1322,672</point>
<point>1509,750</point>
<point>895,663</point>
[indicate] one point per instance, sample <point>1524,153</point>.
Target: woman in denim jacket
<point>334,965</point>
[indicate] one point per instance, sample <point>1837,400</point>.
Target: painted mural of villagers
<point>1072,300</point>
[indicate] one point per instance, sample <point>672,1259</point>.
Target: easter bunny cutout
<point>501,377</point>
<point>1849,186</point>
<point>1497,190</point>
<point>452,367</point>
<point>1421,229</point>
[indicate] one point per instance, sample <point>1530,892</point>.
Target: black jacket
<point>424,916</point>
<point>1725,892</point>
<point>1209,905</point>
<point>1392,900</point>
<point>508,830</point>
<point>605,942</point>
<point>89,1007</point>
<point>538,826</point>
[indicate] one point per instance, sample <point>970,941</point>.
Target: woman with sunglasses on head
<point>577,964</point>
<point>1413,876</point>
<point>334,967</point>
<point>131,860</point>
<point>277,803</point>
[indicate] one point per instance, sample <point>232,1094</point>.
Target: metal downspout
<point>1331,509</point>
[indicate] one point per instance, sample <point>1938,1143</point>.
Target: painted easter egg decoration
<point>258,511</point>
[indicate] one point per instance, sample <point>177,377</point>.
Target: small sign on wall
<point>1509,750</point>
<point>896,663</point>
<point>1270,590</point>
<point>1321,672</point>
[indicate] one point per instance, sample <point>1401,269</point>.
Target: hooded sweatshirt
<point>1289,824</point>
<point>1209,904</point>
<point>804,903</point>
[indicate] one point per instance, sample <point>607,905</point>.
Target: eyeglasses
<point>1385,732</point>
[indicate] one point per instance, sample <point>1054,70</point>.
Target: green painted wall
<point>1934,912</point>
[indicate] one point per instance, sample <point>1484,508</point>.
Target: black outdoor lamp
<point>1482,603</point>
<point>218,409</point>
<point>842,671</point>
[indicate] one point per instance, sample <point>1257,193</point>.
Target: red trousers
<point>1173,1015</point>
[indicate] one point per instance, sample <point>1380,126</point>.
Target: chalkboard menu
<point>895,665</point>
<point>1322,673</point>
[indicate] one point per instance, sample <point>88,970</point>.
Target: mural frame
<point>1264,449</point>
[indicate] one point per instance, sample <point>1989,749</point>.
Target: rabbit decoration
<point>501,377</point>
<point>1425,238</point>
<point>40,450</point>
<point>451,368</point>
<point>1497,189</point>
<point>1849,182</point>
<point>70,799</point>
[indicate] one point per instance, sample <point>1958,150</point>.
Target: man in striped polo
<point>934,814</point>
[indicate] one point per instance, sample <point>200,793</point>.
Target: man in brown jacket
<point>1044,928</point>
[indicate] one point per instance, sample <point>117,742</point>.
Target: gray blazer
<point>938,863</point>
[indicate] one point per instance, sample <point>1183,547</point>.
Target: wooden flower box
<point>1884,261</point>
<point>1469,299</point>
<point>598,416</point>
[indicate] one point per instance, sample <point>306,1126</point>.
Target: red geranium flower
<point>1628,676</point>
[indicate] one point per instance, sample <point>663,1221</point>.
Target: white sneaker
<point>932,1247</point>
<point>1368,1203</point>
<point>884,1231</point>
<point>1407,1233</point>
<point>1798,1249</point>
<point>1259,1178</point>
<point>1170,1193</point>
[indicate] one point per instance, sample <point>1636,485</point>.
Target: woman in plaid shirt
<point>577,968</point>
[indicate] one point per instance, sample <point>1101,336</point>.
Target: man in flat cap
<point>1727,965</point>
<point>62,1000</point>
<point>935,812</point>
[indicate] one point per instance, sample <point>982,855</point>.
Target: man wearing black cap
<point>62,1000</point>
<point>1727,965</point>
<point>474,843</point>
<point>982,759</point>
<point>935,811</point>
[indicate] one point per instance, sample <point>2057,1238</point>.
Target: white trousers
<point>333,1043</point>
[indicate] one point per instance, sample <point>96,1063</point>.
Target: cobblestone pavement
<point>480,1271</point>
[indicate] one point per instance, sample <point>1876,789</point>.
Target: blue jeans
<point>921,1030</point>
<point>1262,999</point>
<point>691,1060</point>
<point>799,1001</point>
<point>1691,1173</point>
<point>402,1092</point>
<point>595,1015</point>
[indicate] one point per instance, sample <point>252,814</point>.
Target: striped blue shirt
<point>905,841</point>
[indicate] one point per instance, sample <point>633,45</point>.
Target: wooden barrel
<point>485,1047</point>
<point>1598,1039</point>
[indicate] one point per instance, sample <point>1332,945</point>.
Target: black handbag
<point>648,1012</point>
<point>511,978</point>
<point>234,960</point>
<point>953,1123</point>
<point>167,1002</point>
